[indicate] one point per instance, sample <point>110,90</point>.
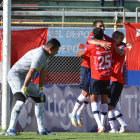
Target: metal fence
<point>64,68</point>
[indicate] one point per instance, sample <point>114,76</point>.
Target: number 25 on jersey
<point>102,62</point>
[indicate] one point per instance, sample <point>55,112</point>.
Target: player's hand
<point>81,46</point>
<point>42,94</point>
<point>105,45</point>
<point>129,46</point>
<point>80,54</point>
<point>24,92</point>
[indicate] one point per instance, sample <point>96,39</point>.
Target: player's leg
<point>81,109</point>
<point>79,102</point>
<point>15,83</point>
<point>39,110</point>
<point>104,108</point>
<point>84,85</point>
<point>112,121</point>
<point>94,91</point>
<point>103,90</point>
<point>114,95</point>
<point>121,120</point>
<point>39,113</point>
<point>116,89</point>
<point>95,111</point>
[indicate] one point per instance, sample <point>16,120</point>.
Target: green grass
<point>73,136</point>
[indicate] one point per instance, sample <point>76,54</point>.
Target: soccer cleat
<point>79,120</point>
<point>45,132</point>
<point>123,129</point>
<point>73,120</point>
<point>10,132</point>
<point>113,131</point>
<point>101,129</point>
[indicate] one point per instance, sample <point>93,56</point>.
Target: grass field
<point>73,136</point>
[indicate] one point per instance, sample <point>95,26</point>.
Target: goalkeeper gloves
<point>42,94</point>
<point>24,91</point>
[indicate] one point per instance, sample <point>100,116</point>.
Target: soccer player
<point>83,99</point>
<point>100,63</point>
<point>19,79</point>
<point>118,81</point>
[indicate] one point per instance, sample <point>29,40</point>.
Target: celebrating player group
<point>101,74</point>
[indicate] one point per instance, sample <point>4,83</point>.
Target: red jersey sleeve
<point>107,38</point>
<point>117,66</point>
<point>90,37</point>
<point>89,48</point>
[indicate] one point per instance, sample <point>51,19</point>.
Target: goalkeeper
<point>19,79</point>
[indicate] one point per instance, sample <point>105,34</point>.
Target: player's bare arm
<point>118,51</point>
<point>105,45</point>
<point>80,54</point>
<point>29,77</point>
<point>42,77</point>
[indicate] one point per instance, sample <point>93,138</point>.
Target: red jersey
<point>100,61</point>
<point>86,58</point>
<point>90,37</point>
<point>117,66</point>
<point>86,61</point>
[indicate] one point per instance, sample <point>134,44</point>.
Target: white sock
<point>95,111</point>
<point>15,114</point>
<point>119,117</point>
<point>78,104</point>
<point>111,119</point>
<point>83,106</point>
<point>104,109</point>
<point>39,113</point>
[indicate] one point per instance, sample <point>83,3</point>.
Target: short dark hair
<point>98,33</point>
<point>121,35</point>
<point>54,43</point>
<point>95,23</point>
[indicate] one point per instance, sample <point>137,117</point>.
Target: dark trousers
<point>121,3</point>
<point>102,3</point>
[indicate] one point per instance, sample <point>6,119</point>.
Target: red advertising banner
<point>24,40</point>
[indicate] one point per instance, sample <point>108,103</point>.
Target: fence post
<point>115,20</point>
<point>6,63</point>
<point>63,17</point>
<point>137,8</point>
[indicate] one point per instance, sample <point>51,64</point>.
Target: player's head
<point>98,24</point>
<point>117,37</point>
<point>98,33</point>
<point>52,46</point>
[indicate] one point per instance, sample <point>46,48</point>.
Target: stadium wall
<point>60,101</point>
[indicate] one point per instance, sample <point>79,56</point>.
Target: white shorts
<point>16,81</point>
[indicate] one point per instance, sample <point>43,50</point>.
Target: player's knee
<point>110,107</point>
<point>19,96</point>
<point>37,99</point>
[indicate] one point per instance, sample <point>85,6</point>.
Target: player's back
<point>100,60</point>
<point>35,58</point>
<point>117,66</point>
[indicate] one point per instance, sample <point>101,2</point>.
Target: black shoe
<point>45,132</point>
